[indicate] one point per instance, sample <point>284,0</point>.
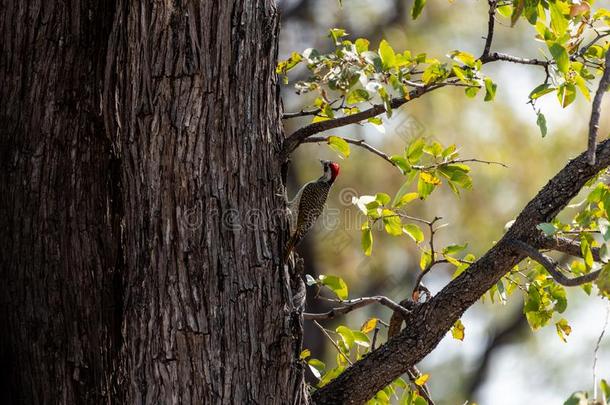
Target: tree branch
<point>596,110</point>
<point>355,304</point>
<point>428,323</point>
<point>357,142</point>
<point>384,156</point>
<point>496,56</point>
<point>565,245</point>
<point>297,137</point>
<point>490,29</point>
<point>552,267</point>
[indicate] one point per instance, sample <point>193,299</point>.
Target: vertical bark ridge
<point>60,246</point>
<point>207,314</point>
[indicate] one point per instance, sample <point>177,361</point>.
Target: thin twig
<point>384,156</point>
<point>357,142</point>
<point>305,113</point>
<point>552,267</point>
<point>333,342</point>
<point>599,341</point>
<point>450,162</point>
<point>302,113</point>
<point>423,389</point>
<point>497,56</point>
<point>585,48</point>
<point>596,110</point>
<point>374,342</point>
<point>356,303</point>
<point>433,261</point>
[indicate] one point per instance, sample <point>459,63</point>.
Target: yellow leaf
<point>430,178</point>
<point>421,380</point>
<point>457,330</point>
<point>369,325</point>
<point>563,329</point>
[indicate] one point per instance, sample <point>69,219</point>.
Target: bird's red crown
<point>334,167</point>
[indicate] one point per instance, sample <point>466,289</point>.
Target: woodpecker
<point>308,204</point>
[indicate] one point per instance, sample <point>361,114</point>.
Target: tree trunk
<point>142,229</point>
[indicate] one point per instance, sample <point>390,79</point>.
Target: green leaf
<point>560,54</point>
<point>563,329</point>
<point>346,335</point>
<point>382,198</point>
<point>392,223</point>
<point>284,66</point>
<point>457,174</point>
<point>388,57</point>
<point>336,285</point>
<point>424,188</point>
<point>471,92</point>
<point>541,90</point>
<point>547,228</point>
<point>418,6</point>
<point>453,249</point>
<point>559,24</point>
<point>362,45</point>
<point>541,122</point>
<point>434,149</point>
<point>405,199</point>
<point>336,34</point>
<point>490,89</point>
<point>415,150</point>
<point>375,121</point>
<point>517,10</point>
<point>582,86</point>
<point>367,239</point>
<point>603,281</point>
<point>433,72</point>
<point>339,145</point>
<point>414,232</point>
<point>585,248</point>
<point>316,367</point>
<point>357,96</point>
<point>577,398</point>
<point>558,293</point>
<point>466,58</point>
<point>401,162</point>
<point>361,339</point>
<point>305,354</point>
<point>425,260</point>
<point>605,388</point>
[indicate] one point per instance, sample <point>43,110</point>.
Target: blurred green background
<point>501,361</point>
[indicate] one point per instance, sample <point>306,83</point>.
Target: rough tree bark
<point>140,219</point>
<point>59,217</point>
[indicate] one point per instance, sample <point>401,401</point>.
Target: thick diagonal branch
<point>552,267</point>
<point>429,322</point>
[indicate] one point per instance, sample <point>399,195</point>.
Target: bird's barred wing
<point>311,205</point>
